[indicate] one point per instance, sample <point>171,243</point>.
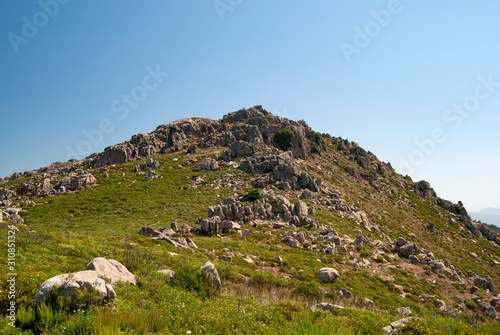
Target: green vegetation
<point>251,196</point>
<point>284,138</point>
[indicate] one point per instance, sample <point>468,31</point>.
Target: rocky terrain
<point>270,202</point>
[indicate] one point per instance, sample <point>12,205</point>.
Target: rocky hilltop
<point>219,190</point>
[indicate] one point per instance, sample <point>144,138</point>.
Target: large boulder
<point>360,242</point>
<point>74,182</point>
<point>68,284</point>
<point>328,275</point>
<point>112,270</point>
<point>208,165</point>
<point>210,270</point>
<point>300,209</point>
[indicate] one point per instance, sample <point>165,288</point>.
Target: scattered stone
<point>326,307</point>
<point>345,293</point>
<point>360,242</point>
<point>210,269</point>
<point>328,275</point>
<point>169,274</point>
<point>403,311</point>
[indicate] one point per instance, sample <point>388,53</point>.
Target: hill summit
<point>308,225</point>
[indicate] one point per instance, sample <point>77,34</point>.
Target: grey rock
<point>326,307</point>
<point>424,189</point>
<point>111,270</point>
<point>210,269</point>
<point>328,275</point>
<point>360,242</point>
<point>403,311</point>
<point>300,209</point>
<point>208,165</point>
<point>167,273</point>
<point>68,284</point>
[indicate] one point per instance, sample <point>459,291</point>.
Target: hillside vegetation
<point>270,203</point>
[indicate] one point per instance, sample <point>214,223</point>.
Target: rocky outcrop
<point>75,181</point>
<point>280,169</point>
<point>424,189</point>
<point>208,165</point>
<point>272,207</point>
<point>254,126</point>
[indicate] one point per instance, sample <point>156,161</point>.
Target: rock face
<point>112,270</point>
<point>424,189</point>
<point>328,275</point>
<point>68,284</point>
<point>210,269</point>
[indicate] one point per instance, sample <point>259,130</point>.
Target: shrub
<point>315,149</point>
<point>194,280</point>
<point>284,138</point>
<point>470,304</point>
<point>318,137</point>
<point>310,289</point>
<point>252,195</point>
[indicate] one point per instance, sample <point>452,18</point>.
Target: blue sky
<point>385,74</point>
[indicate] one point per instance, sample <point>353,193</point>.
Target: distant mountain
<point>489,215</point>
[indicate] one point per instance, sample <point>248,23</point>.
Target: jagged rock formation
<point>255,126</point>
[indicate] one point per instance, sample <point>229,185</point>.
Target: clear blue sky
<point>384,84</point>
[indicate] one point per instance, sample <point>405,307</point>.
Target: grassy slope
<point>64,233</point>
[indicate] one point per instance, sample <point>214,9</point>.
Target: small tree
<point>284,138</point>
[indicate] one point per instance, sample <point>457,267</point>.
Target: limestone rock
<point>328,275</point>
<point>210,269</point>
<point>403,311</point>
<point>326,307</point>
<point>360,242</point>
<point>424,189</point>
<point>208,165</point>
<point>68,284</point>
<point>167,273</point>
<point>300,209</point>
<point>74,182</point>
<point>112,270</point>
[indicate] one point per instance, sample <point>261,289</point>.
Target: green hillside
<point>393,242</point>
